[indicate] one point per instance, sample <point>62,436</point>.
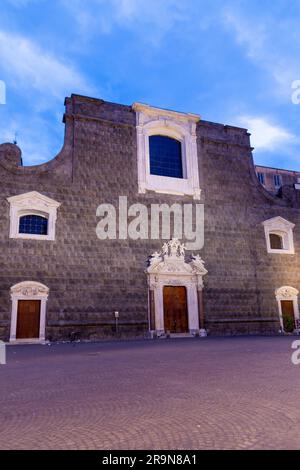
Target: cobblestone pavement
<point>208,393</point>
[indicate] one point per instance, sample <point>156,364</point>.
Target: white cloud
<point>253,37</point>
<point>266,44</point>
<point>150,19</point>
<point>163,14</point>
<point>27,66</point>
<point>41,81</point>
<point>127,8</point>
<point>265,135</point>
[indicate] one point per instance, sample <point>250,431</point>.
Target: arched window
<point>165,156</point>
<point>33,224</point>
<point>167,151</point>
<point>32,216</point>
<point>276,241</point>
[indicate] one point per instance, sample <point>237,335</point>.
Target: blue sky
<point>232,62</point>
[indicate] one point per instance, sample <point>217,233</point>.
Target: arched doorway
<point>28,316</point>
<point>287,298</point>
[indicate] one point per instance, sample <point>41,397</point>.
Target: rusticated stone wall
<point>89,279</point>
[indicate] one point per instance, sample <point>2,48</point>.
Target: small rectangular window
<point>276,242</point>
<point>261,177</point>
<point>277,181</point>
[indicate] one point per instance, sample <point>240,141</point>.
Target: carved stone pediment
<point>29,289</point>
<point>32,200</point>
<point>286,292</point>
<point>170,266</point>
<point>278,223</point>
<point>171,261</point>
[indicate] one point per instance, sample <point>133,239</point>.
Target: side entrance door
<point>288,318</point>
<point>175,309</point>
<point>28,320</point>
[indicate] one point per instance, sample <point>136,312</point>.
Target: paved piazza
<point>211,393</point>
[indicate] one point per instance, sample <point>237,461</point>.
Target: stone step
<point>181,335</point>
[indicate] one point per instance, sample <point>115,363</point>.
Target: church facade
<point>203,247</point>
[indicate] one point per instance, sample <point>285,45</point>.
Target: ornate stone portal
<point>288,293</point>
<point>170,268</point>
<point>28,290</point>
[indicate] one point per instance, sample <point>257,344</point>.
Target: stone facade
<point>90,279</point>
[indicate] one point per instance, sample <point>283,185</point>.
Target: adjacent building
<point>273,179</point>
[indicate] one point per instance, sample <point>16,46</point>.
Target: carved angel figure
<point>174,245</point>
<point>165,249</point>
<point>182,249</point>
<point>155,257</point>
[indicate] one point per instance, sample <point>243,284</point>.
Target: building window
<point>276,241</point>
<point>34,224</point>
<point>167,151</point>
<point>261,177</point>
<point>279,235</point>
<point>277,181</point>
<point>32,216</point>
<point>165,156</point>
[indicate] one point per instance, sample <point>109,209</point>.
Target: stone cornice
<point>153,111</point>
<point>227,143</point>
<point>84,117</point>
<point>33,197</point>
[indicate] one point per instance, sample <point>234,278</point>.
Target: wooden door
<point>175,309</point>
<point>287,308</point>
<point>28,321</point>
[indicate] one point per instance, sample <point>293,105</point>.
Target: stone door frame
<point>192,303</point>
<point>170,268</point>
<point>288,293</point>
<point>28,290</point>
